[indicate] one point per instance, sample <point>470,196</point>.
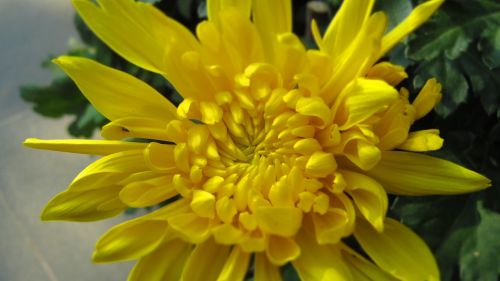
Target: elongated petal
<point>369,196</point>
<point>362,269</point>
<point>96,147</point>
<point>424,140</point>
<point>88,205</point>
<point>236,265</point>
<point>109,170</point>
<point>407,173</point>
<point>360,100</point>
<point>427,98</point>
<point>264,270</point>
<point>165,263</point>
<point>272,18</point>
<point>130,240</point>
<point>137,31</point>
<point>206,262</point>
<point>357,58</point>
<point>116,94</point>
<point>148,192</point>
<point>398,251</point>
<point>346,25</point>
<point>215,7</point>
<point>136,127</point>
<point>417,17</point>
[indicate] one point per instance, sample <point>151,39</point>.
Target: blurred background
<point>30,30</point>
<point>460,46</point>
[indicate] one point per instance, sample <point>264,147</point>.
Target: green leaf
<point>490,48</point>
<point>454,28</point>
<point>396,10</point>
<point>455,85</point>
<point>484,82</point>
<point>479,255</point>
<point>150,1</point>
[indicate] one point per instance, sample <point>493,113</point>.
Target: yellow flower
<point>276,152</point>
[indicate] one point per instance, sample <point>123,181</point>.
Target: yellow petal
<point>241,40</point>
<point>236,265</point>
<point>160,157</point>
<point>357,58</point>
<point>206,262</point>
<point>149,192</point>
<point>137,31</point>
<point>191,227</point>
<point>427,98</point>
<point>362,269</point>
<point>346,24</point>
<point>116,94</point>
<point>390,73</point>
<point>136,127</point>
<point>369,196</point>
<point>408,173</point>
<point>321,164</point>
<point>130,240</point>
<point>96,147</point>
<point>417,17</point>
<point>424,140</point>
<point>87,205</point>
<point>164,263</point>
<point>319,262</point>
<point>281,221</point>
<point>316,108</point>
<point>331,226</point>
<point>394,125</point>
<point>360,100</point>
<point>109,170</point>
<point>203,204</point>
<point>358,149</point>
<point>227,234</point>
<point>281,250</point>
<point>272,18</point>
<point>215,7</point>
<point>398,251</point>
<point>264,270</point>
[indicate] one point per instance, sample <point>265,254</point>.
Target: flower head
<point>276,151</point>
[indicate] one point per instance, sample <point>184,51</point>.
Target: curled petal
<point>136,127</point>
<point>424,140</point>
<point>369,196</point>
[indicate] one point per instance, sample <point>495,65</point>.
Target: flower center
<point>266,162</point>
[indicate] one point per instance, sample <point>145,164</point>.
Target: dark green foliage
<point>460,46</point>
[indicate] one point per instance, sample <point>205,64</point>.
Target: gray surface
<point>31,249</point>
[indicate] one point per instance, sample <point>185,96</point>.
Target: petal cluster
<point>276,151</point>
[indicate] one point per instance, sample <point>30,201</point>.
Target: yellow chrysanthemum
<point>276,152</point>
